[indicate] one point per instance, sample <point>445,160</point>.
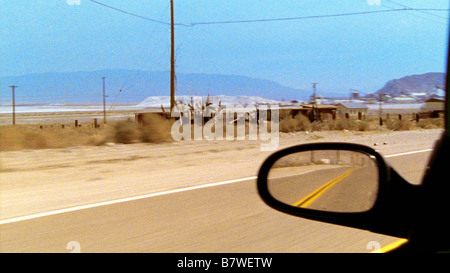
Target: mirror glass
<point>326,180</point>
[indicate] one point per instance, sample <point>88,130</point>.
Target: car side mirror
<point>339,183</point>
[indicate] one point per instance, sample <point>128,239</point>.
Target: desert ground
<point>37,180</point>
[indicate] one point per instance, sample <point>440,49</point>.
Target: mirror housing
<point>391,210</point>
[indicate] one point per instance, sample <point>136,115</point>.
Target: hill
<point>423,83</point>
<point>133,86</point>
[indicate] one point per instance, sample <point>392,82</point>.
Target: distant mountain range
<point>423,83</point>
<point>133,86</point>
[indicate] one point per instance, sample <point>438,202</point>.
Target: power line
<point>421,11</point>
<point>129,13</point>
<point>192,24</point>
<point>135,15</point>
<point>312,16</point>
<point>434,19</point>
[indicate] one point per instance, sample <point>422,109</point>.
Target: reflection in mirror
<point>326,180</point>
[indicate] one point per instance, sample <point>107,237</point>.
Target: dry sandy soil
<point>33,181</point>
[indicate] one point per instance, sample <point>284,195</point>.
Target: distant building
<point>434,103</point>
<point>352,108</point>
<point>317,112</point>
<point>354,95</point>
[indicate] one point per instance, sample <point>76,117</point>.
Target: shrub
<point>298,123</point>
<point>49,136</point>
<point>399,124</point>
<point>125,132</point>
<point>433,123</point>
<point>341,124</point>
<point>155,129</point>
<point>362,125</point>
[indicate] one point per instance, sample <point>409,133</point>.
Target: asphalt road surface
<point>332,188</point>
<point>218,217</point>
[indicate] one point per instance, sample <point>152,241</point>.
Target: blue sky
<point>360,52</point>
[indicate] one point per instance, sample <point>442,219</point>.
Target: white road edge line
<point>105,203</point>
<point>409,153</point>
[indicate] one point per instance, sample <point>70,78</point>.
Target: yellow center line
<point>305,202</point>
<point>390,246</point>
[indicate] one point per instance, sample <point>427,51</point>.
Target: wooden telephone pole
<point>313,99</point>
<point>172,59</point>
<point>13,104</point>
<point>104,102</point>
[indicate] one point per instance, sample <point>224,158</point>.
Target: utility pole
<point>380,111</point>
<point>13,104</point>
<point>172,58</point>
<point>314,92</point>
<point>104,102</point>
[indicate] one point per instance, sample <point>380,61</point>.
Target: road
<point>223,218</point>
<point>332,188</point>
<point>221,214</point>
